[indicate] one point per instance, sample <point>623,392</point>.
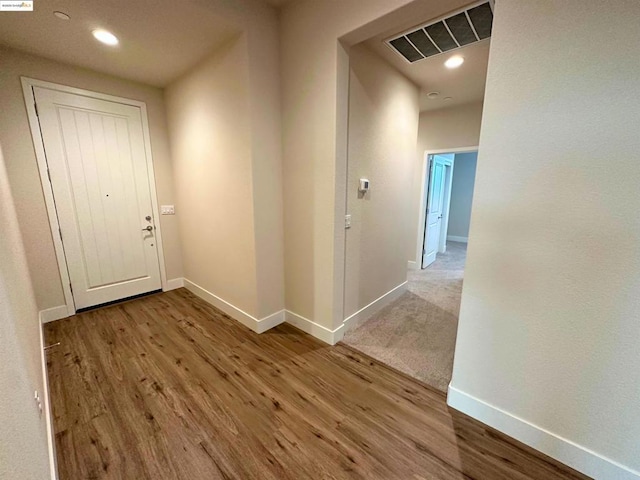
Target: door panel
<point>97,161</point>
<point>435,203</point>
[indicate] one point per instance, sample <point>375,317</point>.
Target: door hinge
<point>60,232</point>
<point>35,105</point>
<point>71,287</point>
<point>49,174</point>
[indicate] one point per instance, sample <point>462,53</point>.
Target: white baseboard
<point>315,329</point>
<point>262,325</point>
<point>453,238</point>
<point>53,314</point>
<point>271,321</point>
<point>48,418</point>
<point>580,458</point>
<point>174,283</point>
<point>257,325</point>
<point>367,312</point>
<point>412,265</point>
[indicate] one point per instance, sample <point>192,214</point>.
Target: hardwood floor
<point>167,387</point>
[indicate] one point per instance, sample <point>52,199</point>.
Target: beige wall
<point>549,322</point>
<point>224,120</point>
<point>23,172</point>
<point>383,128</point>
<point>314,242</point>
<point>314,99</point>
<point>439,130</point>
<point>263,51</point>
<point>23,442</point>
<point>450,127</point>
<point>209,120</point>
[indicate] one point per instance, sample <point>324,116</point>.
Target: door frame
<point>422,218</point>
<point>54,225</point>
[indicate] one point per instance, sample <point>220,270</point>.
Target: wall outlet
<point>168,210</point>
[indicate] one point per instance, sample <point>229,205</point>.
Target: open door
<point>435,208</point>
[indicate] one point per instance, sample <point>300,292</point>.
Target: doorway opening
<point>439,183</point>
<point>413,136</point>
<point>416,333</point>
<point>446,198</point>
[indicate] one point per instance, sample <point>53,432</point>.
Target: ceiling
<point>159,40</point>
<point>175,35</point>
<point>465,84</point>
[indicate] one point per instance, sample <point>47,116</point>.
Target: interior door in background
<point>97,164</point>
<point>435,204</point>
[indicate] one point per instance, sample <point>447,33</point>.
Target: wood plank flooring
<point>167,387</point>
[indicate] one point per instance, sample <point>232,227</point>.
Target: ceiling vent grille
<point>455,31</point>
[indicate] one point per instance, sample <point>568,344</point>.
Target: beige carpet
<point>416,334</point>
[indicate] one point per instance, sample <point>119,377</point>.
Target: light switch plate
<point>167,210</point>
<point>347,221</point>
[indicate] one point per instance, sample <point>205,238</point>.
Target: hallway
<point>416,334</point>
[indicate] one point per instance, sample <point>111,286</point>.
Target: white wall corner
<point>260,326</point>
<point>174,283</point>
<point>412,265</point>
<point>379,303</point>
<point>315,329</point>
<point>48,418</point>
<point>248,320</point>
<point>270,321</point>
<point>234,312</point>
<point>53,314</point>
<point>577,457</point>
<point>453,238</point>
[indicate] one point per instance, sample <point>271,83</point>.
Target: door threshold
<point>115,302</point>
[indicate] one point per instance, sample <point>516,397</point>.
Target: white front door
<point>435,207</point>
<point>97,163</point>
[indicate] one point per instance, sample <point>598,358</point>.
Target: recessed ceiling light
<point>105,37</point>
<point>454,62</point>
<point>446,99</point>
<point>62,15</point>
<point>432,95</point>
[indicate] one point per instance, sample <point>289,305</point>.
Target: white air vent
<point>455,31</point>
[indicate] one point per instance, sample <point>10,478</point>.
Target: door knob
<point>148,229</point>
<point>440,216</point>
<point>148,218</point>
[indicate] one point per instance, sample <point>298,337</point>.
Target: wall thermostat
<point>364,185</point>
